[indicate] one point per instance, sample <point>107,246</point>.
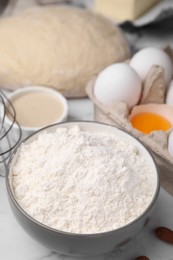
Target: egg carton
<point>153,94</point>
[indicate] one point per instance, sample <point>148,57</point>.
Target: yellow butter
<point>123,9</point>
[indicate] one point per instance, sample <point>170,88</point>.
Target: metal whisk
<point>10,134</point>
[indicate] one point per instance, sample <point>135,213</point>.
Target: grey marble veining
<point>80,109</point>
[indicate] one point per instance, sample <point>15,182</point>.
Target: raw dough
<point>58,46</point>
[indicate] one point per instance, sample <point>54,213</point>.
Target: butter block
<point>123,9</point>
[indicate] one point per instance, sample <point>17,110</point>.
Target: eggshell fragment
<point>170,143</point>
<point>158,109</point>
<point>169,94</point>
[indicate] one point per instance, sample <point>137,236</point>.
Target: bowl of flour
<point>82,188</point>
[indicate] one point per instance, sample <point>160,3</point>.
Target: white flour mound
<point>82,182</point>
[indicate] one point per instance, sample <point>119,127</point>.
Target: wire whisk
<point>10,133</point>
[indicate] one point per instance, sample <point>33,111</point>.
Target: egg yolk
<point>148,122</point>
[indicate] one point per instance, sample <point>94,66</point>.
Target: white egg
<point>118,83</point>
<point>169,94</point>
<point>144,59</point>
<point>170,143</point>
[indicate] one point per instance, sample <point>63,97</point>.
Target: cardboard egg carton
<point>154,91</point>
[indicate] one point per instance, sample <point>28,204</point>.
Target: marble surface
<point>15,244</point>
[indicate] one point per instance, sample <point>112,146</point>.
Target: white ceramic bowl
<point>84,244</point>
<point>31,89</point>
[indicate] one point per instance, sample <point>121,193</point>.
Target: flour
<point>82,182</point>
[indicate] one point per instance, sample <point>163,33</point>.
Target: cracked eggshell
<point>163,110</point>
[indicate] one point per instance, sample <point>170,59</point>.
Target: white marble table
<point>15,244</point>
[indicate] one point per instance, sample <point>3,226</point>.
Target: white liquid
<point>37,109</point>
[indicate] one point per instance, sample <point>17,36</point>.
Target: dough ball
<point>57,46</point>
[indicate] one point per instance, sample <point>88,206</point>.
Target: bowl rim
<point>65,233</point>
<point>43,89</point>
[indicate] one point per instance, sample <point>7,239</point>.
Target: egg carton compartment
<point>153,97</point>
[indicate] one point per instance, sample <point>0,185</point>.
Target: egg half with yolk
<point>152,117</point>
